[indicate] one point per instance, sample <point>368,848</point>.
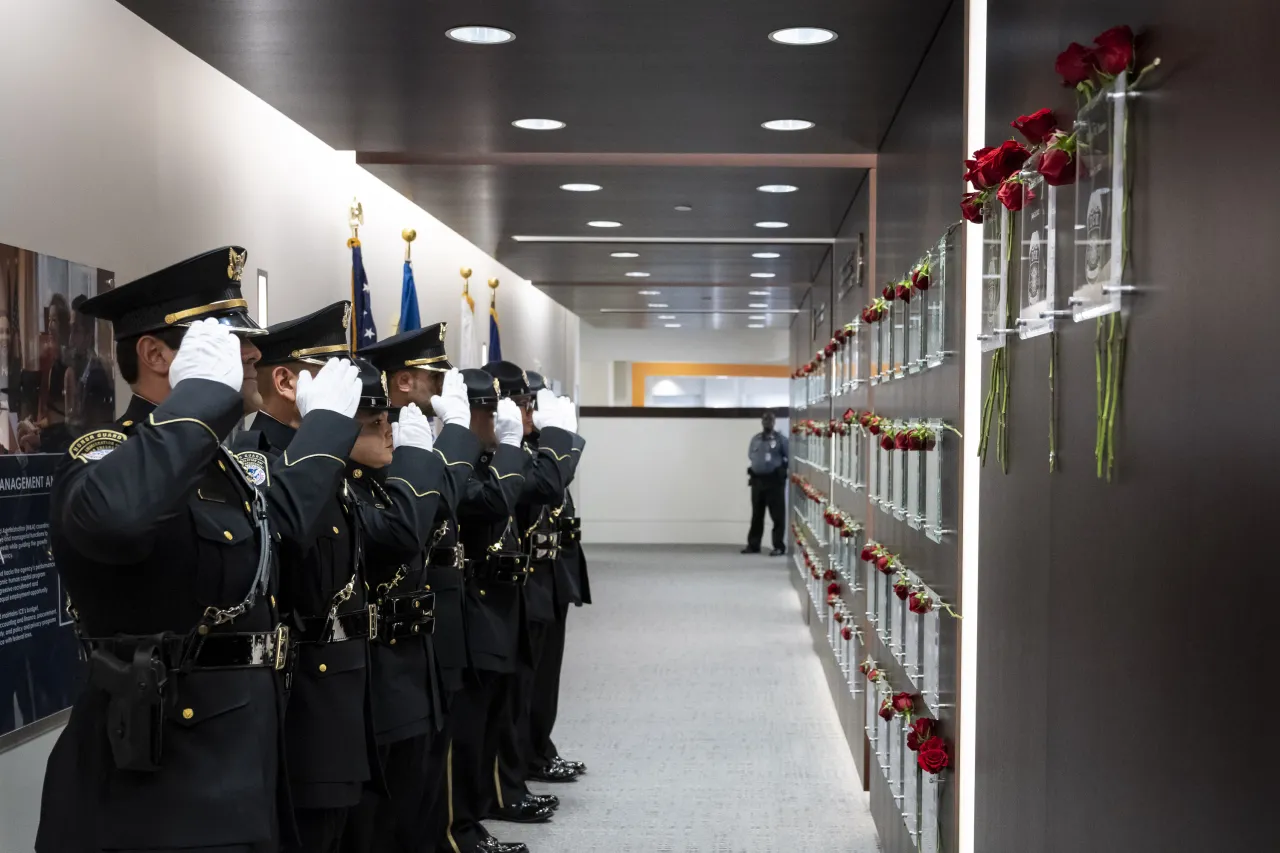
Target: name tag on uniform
<point>767,456</point>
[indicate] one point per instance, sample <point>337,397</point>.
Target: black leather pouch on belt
<point>408,614</point>
<point>135,705</point>
<point>570,530</point>
<point>503,567</point>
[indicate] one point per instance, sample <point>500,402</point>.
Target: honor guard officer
<point>408,697</point>
<point>328,732</point>
<point>164,547</point>
<point>542,759</point>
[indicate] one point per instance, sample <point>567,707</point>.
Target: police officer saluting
<point>164,546</point>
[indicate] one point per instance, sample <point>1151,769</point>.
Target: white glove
<point>335,388</point>
<point>548,413</point>
<point>509,423</point>
<point>568,414</point>
<point>208,351</point>
<point>452,405</point>
<point>413,429</point>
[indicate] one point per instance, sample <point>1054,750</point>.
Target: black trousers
<point>396,823</point>
<point>545,701</point>
<point>478,719</point>
<point>319,830</point>
<point>768,492</point>
<point>515,745</point>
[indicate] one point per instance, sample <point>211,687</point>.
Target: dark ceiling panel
<point>727,264</point>
<point>692,307</point>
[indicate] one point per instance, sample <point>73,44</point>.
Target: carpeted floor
<point>692,692</point>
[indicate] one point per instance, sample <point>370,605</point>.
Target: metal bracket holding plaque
<point>898,322</point>
<point>1099,219</point>
<point>1037,246</point>
<point>941,262</point>
<point>934,527</point>
<point>995,273</point>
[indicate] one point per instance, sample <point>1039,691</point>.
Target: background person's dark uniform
<point>151,523</point>
<point>328,731</point>
<point>769,455</point>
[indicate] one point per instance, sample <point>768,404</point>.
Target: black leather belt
<point>409,614</point>
<point>505,568</point>
<point>241,650</point>
<point>360,625</point>
<point>446,557</point>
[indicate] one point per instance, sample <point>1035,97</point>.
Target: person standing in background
<point>767,475</point>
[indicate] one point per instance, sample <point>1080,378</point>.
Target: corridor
<point>692,692</point>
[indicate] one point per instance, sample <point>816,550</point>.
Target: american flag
<point>363,330</point>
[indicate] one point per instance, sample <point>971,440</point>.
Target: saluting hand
<point>568,414</point>
<point>509,424</point>
<point>336,388</point>
<point>452,405</point>
<point>412,430</point>
<point>548,413</point>
<point>208,351</point>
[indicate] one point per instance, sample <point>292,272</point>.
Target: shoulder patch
<point>95,445</point>
<point>254,465</point>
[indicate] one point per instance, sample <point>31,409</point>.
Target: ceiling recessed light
<point>604,223</point>
<point>755,325</point>
<point>787,124</point>
<point>777,188</point>
<point>771,225</point>
<point>659,305</point>
<point>638,274</point>
<point>666,316</point>
<point>758,293</point>
<point>684,208</point>
<point>672,325</point>
<point>481,35</point>
<point>580,188</point>
<point>765,255</point>
<point>650,292</point>
<point>624,255</point>
<point>757,317</point>
<point>538,124</point>
<point>758,305</point>
<point>763,275</point>
<point>803,36</point>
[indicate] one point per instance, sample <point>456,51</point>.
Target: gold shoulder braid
<point>94,445</point>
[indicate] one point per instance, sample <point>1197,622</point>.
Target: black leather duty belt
<point>507,568</point>
<point>240,650</point>
<point>360,625</point>
<point>446,557</point>
<point>544,546</point>
<point>409,614</point>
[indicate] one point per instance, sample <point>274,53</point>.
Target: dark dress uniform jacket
<point>405,683</point>
<point>536,507</point>
<point>148,528</point>
<point>493,611</point>
<point>328,729</point>
<point>571,586</point>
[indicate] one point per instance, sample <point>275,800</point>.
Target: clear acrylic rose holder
<point>1037,255</point>
<point>995,239</point>
<point>1101,164</point>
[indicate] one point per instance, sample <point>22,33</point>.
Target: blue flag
<point>409,318</point>
<point>495,340</point>
<point>363,331</point>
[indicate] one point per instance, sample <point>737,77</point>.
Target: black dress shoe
<point>555,773</point>
<point>489,844</point>
<point>527,810</point>
<point>749,550</point>
<point>551,801</point>
<point>576,766</point>
<point>777,552</point>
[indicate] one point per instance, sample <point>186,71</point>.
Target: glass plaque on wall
<point>1037,247</point>
<point>995,248</point>
<point>873,467</point>
<point>911,643</point>
<point>940,263</point>
<point>898,321</point>
<point>930,786</point>
<point>1099,219</point>
<point>930,633</point>
<point>873,366</point>
<point>899,459</point>
<point>885,330</point>
<point>933,526</point>
<point>869,572</point>
<point>897,748</point>
<point>854,348</point>
<point>872,718</point>
<point>911,791</point>
<point>915,473</point>
<point>884,741</point>
<point>915,331</point>
<point>887,497</point>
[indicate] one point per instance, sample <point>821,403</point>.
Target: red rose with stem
<point>920,276</point>
<point>866,666</point>
<point>904,291</point>
<point>839,616</point>
<point>971,207</point>
<point>921,731</point>
<point>1114,51</point>
<point>1076,65</point>
<point>973,171</point>
<point>1057,165</point>
<point>1014,194</point>
<point>933,756</point>
<point>1037,127</point>
<point>921,602</point>
<point>1003,162</point>
<point>889,291</point>
<point>885,563</point>
<point>902,589</point>
<point>904,704</point>
<point>886,709</point>
<point>833,588</point>
<point>873,674</point>
<point>887,442</point>
<point>846,632</point>
<point>868,553</point>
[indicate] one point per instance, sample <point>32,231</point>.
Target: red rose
<point>923,728</point>
<point>889,291</point>
<point>874,426</point>
<point>873,674</point>
<point>1003,162</point>
<point>932,756</point>
<point>846,632</point>
<point>885,563</point>
<point>920,603</point>
<point>867,554</point>
<point>1115,50</point>
<point>839,616</point>
<point>970,209</point>
<point>1037,127</point>
<point>1056,165</point>
<point>887,442</point>
<point>930,442</point>
<point>830,349</point>
<point>866,315</point>
<point>904,703</point>
<point>920,280</point>
<point>833,588</point>
<point>865,418</point>
<point>904,292</point>
<point>972,168</point>
<point>1075,64</point>
<point>913,741</point>
<point>829,575</point>
<point>832,600</point>
<point>886,710</point>
<point>915,442</point>
<point>864,667</point>
<point>901,441</point>
<point>1010,195</point>
<point>902,590</point>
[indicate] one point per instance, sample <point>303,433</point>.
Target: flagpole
<point>355,218</point>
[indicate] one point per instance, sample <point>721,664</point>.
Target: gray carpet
<point>692,691</point>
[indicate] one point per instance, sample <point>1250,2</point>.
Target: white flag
<point>468,353</point>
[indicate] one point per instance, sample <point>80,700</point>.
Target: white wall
<point>666,480</point>
<point>741,346</point>
<point>122,151</point>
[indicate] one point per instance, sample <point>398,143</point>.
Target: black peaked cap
<point>421,348</point>
<point>536,381</point>
<point>511,379</point>
<point>482,389</point>
<point>200,288</point>
<point>315,338</point>
<point>373,386</point>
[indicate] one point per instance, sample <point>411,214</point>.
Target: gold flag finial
<point>409,236</point>
<point>493,291</point>
<point>355,218</point>
<point>466,280</point>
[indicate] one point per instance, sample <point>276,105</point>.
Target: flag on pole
<point>363,330</point>
<point>495,340</point>
<point>468,352</point>
<point>409,318</point>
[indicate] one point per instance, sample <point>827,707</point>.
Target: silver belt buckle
<point>282,646</point>
<point>373,621</point>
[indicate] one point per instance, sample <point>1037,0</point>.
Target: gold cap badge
<point>235,265</point>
